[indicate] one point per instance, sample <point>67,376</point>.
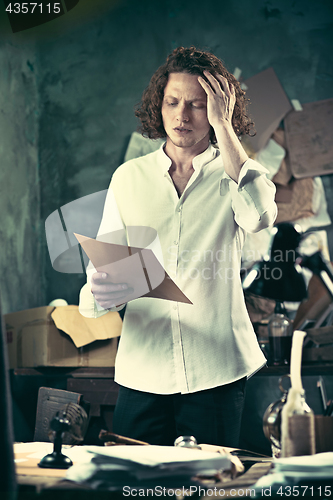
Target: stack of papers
<point>112,466</point>
<point>306,475</point>
<point>320,465</point>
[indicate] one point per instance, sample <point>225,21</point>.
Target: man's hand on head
<point>221,99</point>
<point>107,293</point>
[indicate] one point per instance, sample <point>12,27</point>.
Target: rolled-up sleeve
<point>252,198</point>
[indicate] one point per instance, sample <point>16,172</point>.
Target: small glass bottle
<point>280,335</point>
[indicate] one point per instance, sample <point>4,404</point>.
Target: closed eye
<point>197,105</point>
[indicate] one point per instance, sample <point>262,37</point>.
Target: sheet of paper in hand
<point>136,266</point>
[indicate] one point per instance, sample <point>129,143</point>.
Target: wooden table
<point>34,481</point>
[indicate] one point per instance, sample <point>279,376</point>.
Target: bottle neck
<point>279,308</point>
<point>296,402</point>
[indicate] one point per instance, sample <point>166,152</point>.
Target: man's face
<point>184,111</point>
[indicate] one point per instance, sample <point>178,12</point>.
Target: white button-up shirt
<point>172,347</point>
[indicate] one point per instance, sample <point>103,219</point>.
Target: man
<point>182,367</point>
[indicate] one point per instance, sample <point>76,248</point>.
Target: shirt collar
<point>198,162</point>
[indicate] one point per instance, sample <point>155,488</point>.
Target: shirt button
<point>176,242</point>
<point>175,306</point>
<point>180,209</point>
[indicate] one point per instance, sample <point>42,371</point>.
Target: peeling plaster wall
<point>21,280</point>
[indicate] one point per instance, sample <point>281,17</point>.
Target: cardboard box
<point>33,340</point>
<point>321,349</point>
<point>324,433</point>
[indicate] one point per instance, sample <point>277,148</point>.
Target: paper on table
<point>33,447</point>
<point>78,454</point>
<point>299,472</point>
<point>306,463</point>
<point>268,106</point>
<point>161,460</point>
<point>138,267</point>
<point>114,465</point>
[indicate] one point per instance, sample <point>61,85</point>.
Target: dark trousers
<point>212,416</point>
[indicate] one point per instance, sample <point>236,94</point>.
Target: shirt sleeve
<point>252,198</point>
<point>111,227</point>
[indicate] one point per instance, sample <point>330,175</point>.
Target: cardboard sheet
<point>295,200</point>
<point>34,340</point>
<point>84,330</point>
<point>268,105</point>
<point>284,175</point>
<point>309,139</point>
<point>138,267</point>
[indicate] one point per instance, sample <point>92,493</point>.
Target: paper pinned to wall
<point>309,139</point>
<point>269,104</point>
<point>141,146</point>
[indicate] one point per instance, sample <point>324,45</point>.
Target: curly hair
<point>193,61</point>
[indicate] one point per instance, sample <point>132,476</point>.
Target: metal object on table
<point>186,442</point>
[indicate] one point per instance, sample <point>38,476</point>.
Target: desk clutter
<point>129,468</point>
<point>302,476</point>
<point>125,463</point>
<point>112,467</point>
<point>289,423</point>
<point>61,419</point>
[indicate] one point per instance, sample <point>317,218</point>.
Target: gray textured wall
<point>20,244</point>
<point>89,70</point>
